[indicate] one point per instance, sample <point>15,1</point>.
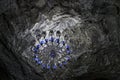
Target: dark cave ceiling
<point>59,40</point>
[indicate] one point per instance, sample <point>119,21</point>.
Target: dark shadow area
<point>4,75</point>
<point>101,79</point>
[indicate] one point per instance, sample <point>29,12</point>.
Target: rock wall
<point>95,42</point>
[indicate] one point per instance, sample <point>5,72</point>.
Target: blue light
<point>36,59</point>
<point>43,66</point>
<point>39,62</point>
<point>52,39</point>
<point>35,50</point>
<point>52,47</point>
<point>52,53</point>
<point>68,52</point>
<point>60,64</point>
<point>67,58</point>
<point>41,42</point>
<point>38,46</point>
<point>68,47</point>
<point>54,67</point>
<point>63,42</point>
<point>57,40</point>
<point>64,62</point>
<point>46,40</point>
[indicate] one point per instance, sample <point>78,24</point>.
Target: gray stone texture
<point>101,21</point>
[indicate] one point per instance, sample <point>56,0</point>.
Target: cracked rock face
<point>60,40</point>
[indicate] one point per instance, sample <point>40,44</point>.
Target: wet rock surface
<point>96,42</point>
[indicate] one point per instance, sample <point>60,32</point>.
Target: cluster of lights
<point>51,50</point>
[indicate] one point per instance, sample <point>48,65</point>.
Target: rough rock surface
<point>100,31</point>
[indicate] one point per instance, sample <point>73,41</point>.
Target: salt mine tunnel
<point>59,40</point>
